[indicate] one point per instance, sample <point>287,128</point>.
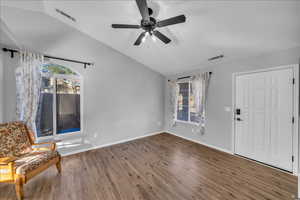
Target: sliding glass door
<point>59,112</point>
<point>67,105</point>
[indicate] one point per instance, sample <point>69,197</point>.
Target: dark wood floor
<point>161,167</point>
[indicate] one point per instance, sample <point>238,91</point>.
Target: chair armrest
<point>7,160</point>
<point>7,169</point>
<point>51,146</point>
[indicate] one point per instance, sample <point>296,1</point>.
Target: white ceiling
<point>236,29</point>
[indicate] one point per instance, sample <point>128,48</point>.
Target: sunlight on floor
<point>67,147</point>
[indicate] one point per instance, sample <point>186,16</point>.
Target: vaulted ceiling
<point>236,29</point>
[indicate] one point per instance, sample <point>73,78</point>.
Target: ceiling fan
<point>149,24</point>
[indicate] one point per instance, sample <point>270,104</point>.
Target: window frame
<point>55,135</point>
<point>176,105</point>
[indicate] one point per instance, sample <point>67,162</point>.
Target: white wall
<point>218,127</point>
<point>1,88</point>
<point>7,66</point>
<point>9,87</point>
<point>123,99</point>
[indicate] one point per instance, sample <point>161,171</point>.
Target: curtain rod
<point>12,51</point>
<point>184,77</point>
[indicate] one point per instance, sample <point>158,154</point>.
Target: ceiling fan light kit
<point>149,24</point>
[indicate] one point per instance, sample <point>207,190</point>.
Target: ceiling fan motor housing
<point>148,25</point>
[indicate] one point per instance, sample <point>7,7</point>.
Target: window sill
<point>187,122</point>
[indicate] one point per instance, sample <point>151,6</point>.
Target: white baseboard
<point>205,144</point>
<point>230,152</point>
<point>110,144</point>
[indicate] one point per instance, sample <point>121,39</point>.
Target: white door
<point>263,123</point>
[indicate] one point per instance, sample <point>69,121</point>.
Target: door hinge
<point>293,81</point>
<point>292,158</point>
<point>293,120</point>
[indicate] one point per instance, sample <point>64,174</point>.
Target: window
<point>59,110</point>
<point>186,106</point>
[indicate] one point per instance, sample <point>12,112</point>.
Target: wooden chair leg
<point>19,188</point>
<point>58,166</point>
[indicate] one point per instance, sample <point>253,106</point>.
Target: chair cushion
<point>32,161</point>
<point>14,140</point>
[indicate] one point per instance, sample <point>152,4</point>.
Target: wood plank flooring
<point>160,167</point>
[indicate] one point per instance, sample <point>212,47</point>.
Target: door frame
<point>295,68</point>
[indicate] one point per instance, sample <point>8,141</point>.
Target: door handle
<point>238,119</point>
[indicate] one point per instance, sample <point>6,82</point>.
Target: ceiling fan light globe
<point>144,39</point>
<point>153,38</point>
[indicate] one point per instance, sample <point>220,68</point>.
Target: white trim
<point>233,114</point>
<point>187,122</point>
<point>295,68</point>
<point>202,143</point>
<point>112,143</point>
<point>266,69</point>
<point>296,118</point>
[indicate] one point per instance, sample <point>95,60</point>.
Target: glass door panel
<point>44,120</point>
<point>67,105</point>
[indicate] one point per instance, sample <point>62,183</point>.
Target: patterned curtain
<point>200,90</point>
<point>28,82</point>
<point>174,92</point>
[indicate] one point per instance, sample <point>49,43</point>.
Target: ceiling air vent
<point>216,58</point>
<point>65,15</point>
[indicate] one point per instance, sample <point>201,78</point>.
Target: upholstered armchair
<point>20,158</point>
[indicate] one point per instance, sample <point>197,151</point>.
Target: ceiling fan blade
<point>125,26</point>
<point>162,37</point>
<point>143,7</point>
<point>140,38</point>
<point>171,21</point>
